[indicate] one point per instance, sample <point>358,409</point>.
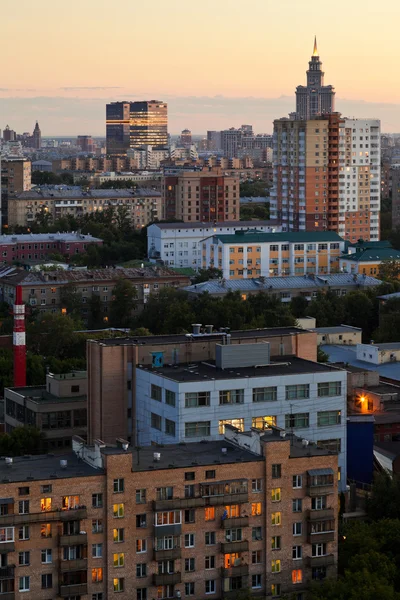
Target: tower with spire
<point>315,98</point>
<point>37,137</point>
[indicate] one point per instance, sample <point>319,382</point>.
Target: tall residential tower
<point>315,98</point>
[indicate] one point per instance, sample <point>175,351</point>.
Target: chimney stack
<point>19,341</point>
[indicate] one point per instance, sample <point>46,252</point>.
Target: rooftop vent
<point>282,434</point>
<point>305,443</point>
<point>156,456</point>
<point>224,450</point>
<point>9,461</point>
<point>63,464</point>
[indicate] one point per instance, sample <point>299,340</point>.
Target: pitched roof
<point>251,236</point>
<point>373,255</point>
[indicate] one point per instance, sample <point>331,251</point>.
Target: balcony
<point>235,571</point>
<point>320,490</point>
<point>320,537</point>
<point>233,547</point>
<point>44,516</point>
<point>327,514</point>
<point>234,522</point>
<point>7,547</point>
<point>77,589</point>
<point>321,561</point>
<point>7,572</point>
<point>167,579</point>
<point>7,596</point>
<point>225,499</point>
<point>77,564</point>
<point>176,503</point>
<point>76,539</point>
<point>171,554</point>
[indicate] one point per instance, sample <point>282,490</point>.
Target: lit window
<point>297,576</point>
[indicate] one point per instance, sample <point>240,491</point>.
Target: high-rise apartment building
<point>327,175</point>
<point>136,124</point>
<point>395,174</point>
<point>315,98</point>
<point>186,138</point>
<point>204,196</point>
<point>86,143</point>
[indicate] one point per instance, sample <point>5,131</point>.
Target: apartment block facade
<point>207,520</point>
<point>249,254</point>
<point>38,246</point>
<point>327,175</point>
<point>201,196</point>
<point>180,244</point>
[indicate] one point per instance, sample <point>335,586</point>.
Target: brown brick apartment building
<point>195,520</point>
<point>112,378</point>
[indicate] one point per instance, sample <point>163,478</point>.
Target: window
<point>141,496</point>
<point>298,420</point>
<point>197,429</point>
<point>276,589</point>
<point>256,509</point>
<point>97,550</point>
<point>297,392</point>
<point>256,581</point>
<point>297,552</point>
<point>263,422</point>
<point>97,500</point>
<point>190,476</point>
<point>256,534</point>
<point>141,520</point>
<point>318,503</point>
<point>118,511</point>
<point>209,513</point>
<point>210,586</point>
<point>156,392</point>
<point>141,546</point>
<point>329,417</point>
<point>318,549</point>
<point>189,540</point>
<point>297,482</point>
<point>23,532</point>
<point>24,558</point>
<point>276,542</point>
<point>47,556</point>
<point>118,486</point>
<point>97,526</point>
<point>189,491</point>
<point>256,485</point>
<point>233,535</point>
<point>190,515</point>
<point>334,445</point>
<point>195,399</point>
<point>141,570</point>
<point>156,421</point>
<point>189,588</point>
<point>256,556</point>
<point>209,562</point>
<point>231,511</point>
<point>332,388</point>
<point>24,583</point>
<point>297,528</point>
<point>210,538</point>
<point>119,559</point>
<point>318,573</point>
<point>275,518</point>
<point>164,493</point>
<point>265,394</point>
<point>170,398</point>
<point>231,396</point>
<point>47,581</point>
<point>141,593</point>
<point>119,584</point>
<point>23,507</point>
<point>276,495</point>
<point>276,566</point>
<point>189,564</point>
<point>238,423</point>
<point>45,530</point>
<point>23,491</point>
<point>170,427</point>
<point>46,489</point>
<point>97,575</point>
<point>118,535</point>
<point>210,474</point>
<point>276,471</point>
<point>45,504</point>
<point>297,576</point>
<point>297,505</point>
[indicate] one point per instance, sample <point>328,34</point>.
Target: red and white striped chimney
<point>19,340</point>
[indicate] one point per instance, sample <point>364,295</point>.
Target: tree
<point>389,269</point>
<point>321,355</point>
<point>206,274</point>
<point>95,310</point>
<point>123,303</point>
<point>384,500</point>
<point>358,310</point>
<point>71,299</point>
<point>55,336</point>
<point>299,307</point>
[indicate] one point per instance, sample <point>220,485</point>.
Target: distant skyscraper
<point>37,137</point>
<point>186,138</point>
<point>315,98</point>
<point>136,124</point>
<point>9,135</point>
<point>86,143</point>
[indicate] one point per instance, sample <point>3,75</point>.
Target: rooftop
<point>373,254</point>
<point>338,329</point>
<point>389,296</point>
<point>27,238</point>
<point>39,395</point>
<point>387,345</point>
<point>348,356</point>
<point>221,286</point>
<point>44,467</point>
<point>279,237</point>
<point>71,191</point>
<point>280,366</point>
<point>216,336</point>
<point>390,449</point>
<point>215,225</point>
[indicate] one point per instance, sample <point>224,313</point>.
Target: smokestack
<point>19,342</point>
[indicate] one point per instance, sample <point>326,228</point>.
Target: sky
<point>217,63</point>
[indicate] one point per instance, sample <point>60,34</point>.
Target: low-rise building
<point>179,244</point>
<point>38,246</point>
<point>342,334</point>
<point>43,289</point>
<point>254,511</point>
<point>148,207</point>
<point>58,409</point>
<point>378,354</point>
<point>285,288</point>
<point>366,257</point>
<point>248,254</point>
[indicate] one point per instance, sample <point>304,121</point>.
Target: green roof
<point>373,255</point>
<point>310,237</point>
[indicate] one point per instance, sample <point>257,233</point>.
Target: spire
<point>315,51</point>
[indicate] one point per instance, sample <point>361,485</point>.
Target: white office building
<point>242,388</point>
<point>179,244</point>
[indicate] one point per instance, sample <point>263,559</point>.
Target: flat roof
<point>390,449</point>
<point>387,345</point>
<point>68,236</point>
<point>44,467</point>
<point>279,237</point>
<point>348,356</point>
<point>215,225</point>
<point>206,371</point>
<point>337,329</point>
<point>189,338</point>
<point>40,395</point>
<point>389,296</point>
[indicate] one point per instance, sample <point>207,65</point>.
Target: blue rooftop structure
<point>348,354</point>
